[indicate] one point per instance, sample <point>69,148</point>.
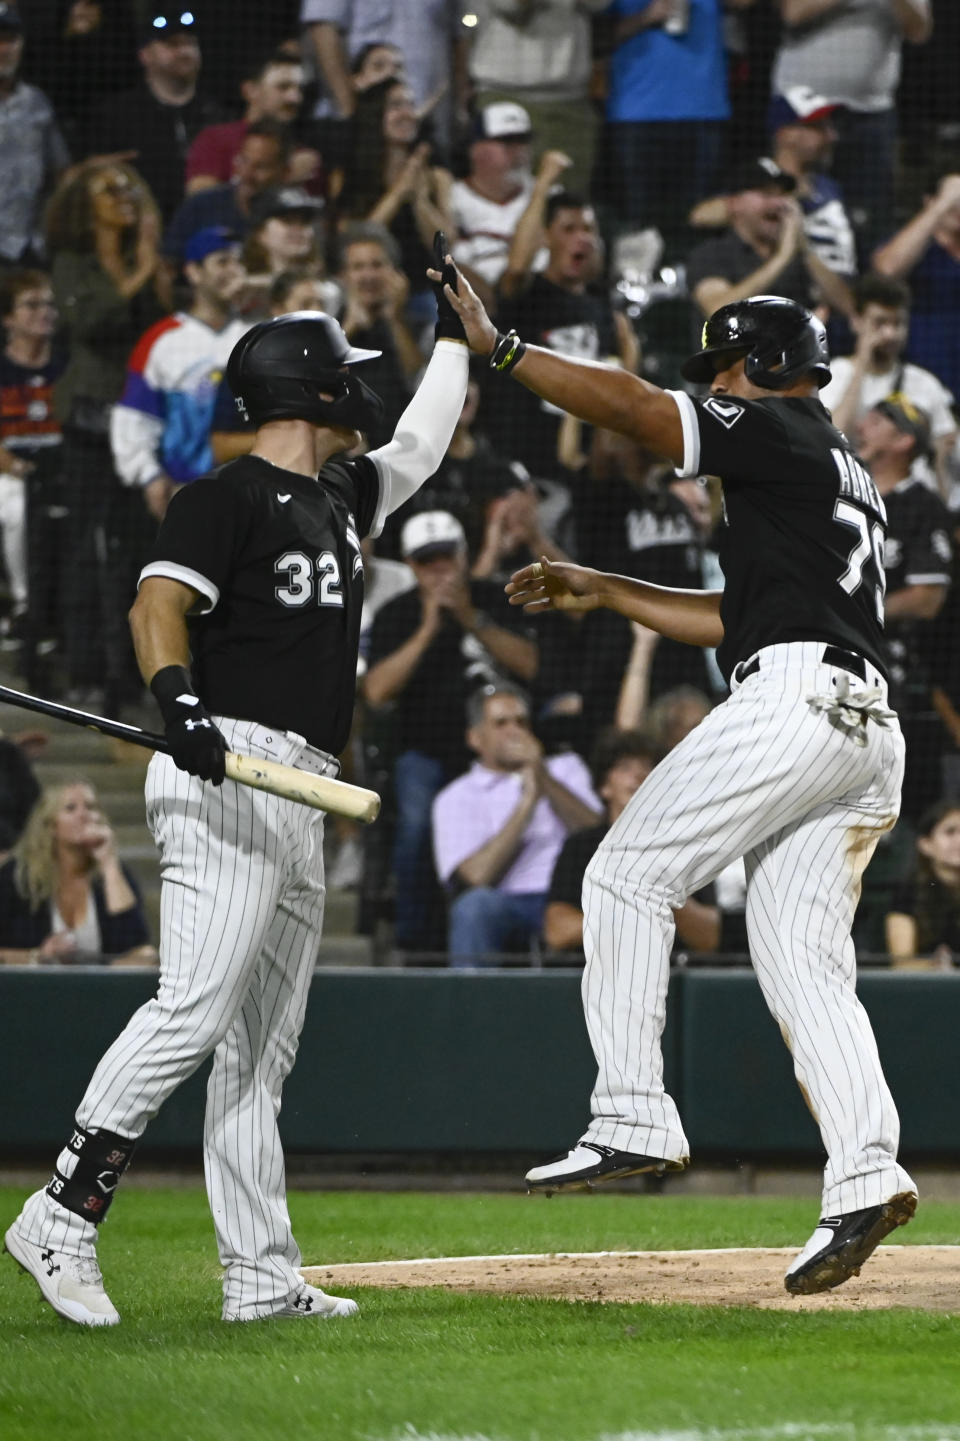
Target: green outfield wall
<point>418,1062</point>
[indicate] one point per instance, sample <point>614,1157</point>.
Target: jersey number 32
<point>302,586</point>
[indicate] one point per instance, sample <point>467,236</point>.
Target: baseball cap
<point>283,200</point>
<point>907,417</point>
<point>160,22</point>
<point>502,120</point>
<point>761,173</point>
<point>10,17</point>
<point>433,532</point>
<point>799,105</point>
<point>208,240</point>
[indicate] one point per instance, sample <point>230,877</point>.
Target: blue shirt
<point>656,76</point>
<point>935,315</point>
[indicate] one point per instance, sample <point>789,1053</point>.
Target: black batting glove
<point>449,325</point>
<point>196,745</point>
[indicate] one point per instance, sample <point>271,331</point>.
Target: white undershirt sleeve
<point>423,431</point>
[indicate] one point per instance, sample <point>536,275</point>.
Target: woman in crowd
<point>65,898</point>
<point>389,180</point>
<point>103,231</point>
<point>923,924</point>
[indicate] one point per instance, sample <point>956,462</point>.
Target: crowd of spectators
<point>170,175</point>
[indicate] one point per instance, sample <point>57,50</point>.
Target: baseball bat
<point>322,793</point>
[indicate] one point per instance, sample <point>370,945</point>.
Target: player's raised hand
<point>479,329</point>
<point>554,585</point>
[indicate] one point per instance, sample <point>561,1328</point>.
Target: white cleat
<point>72,1285</point>
<point>311,1301</point>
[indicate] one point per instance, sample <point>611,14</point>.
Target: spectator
<point>283,234</point>
<point>88,55</point>
<point>160,428</point>
<point>427,33</point>
<point>65,898</point>
<point>31,480</point>
<point>19,791</point>
<point>917,563</point>
<point>375,291</point>
<point>923,922</point>
<point>558,309</point>
<point>159,118</point>
<point>877,369</point>
<point>102,234</point>
<point>272,89</point>
<point>620,763</point>
<point>498,829</point>
<point>231,431</point>
<point>388,179</point>
<point>33,154</point>
<point>541,56</point>
<point>261,165</point>
<point>429,649</point>
<point>803,134</point>
<point>628,518</point>
<point>487,204</point>
<point>667,107</point>
<point>766,250</point>
<point>927,252</point>
<point>851,52</point>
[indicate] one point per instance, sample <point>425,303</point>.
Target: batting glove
<point>196,745</point>
<point>449,325</point>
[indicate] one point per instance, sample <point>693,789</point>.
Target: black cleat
<point>588,1165</point>
<point>841,1244</point>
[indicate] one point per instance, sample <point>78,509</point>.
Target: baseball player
<point>799,771</point>
<point>257,575</point>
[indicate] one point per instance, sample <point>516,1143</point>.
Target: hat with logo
<point>10,17</point>
<point>763,173</point>
<point>207,241</point>
<point>433,532</point>
<point>908,418</point>
<point>163,21</point>
<point>799,105</point>
<point>502,120</point>
<point>283,200</point>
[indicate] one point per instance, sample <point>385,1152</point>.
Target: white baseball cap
<point>431,533</point>
<point>502,120</point>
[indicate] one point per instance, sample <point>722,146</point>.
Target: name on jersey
<point>856,484</point>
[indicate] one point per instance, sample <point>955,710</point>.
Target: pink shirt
<point>472,809</point>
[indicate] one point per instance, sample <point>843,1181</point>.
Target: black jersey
<point>918,550</point>
<point>276,559</point>
<point>801,544</point>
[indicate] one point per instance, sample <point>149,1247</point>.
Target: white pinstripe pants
<point>241,914</point>
<point>768,778</point>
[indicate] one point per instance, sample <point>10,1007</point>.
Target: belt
<point>832,655</point>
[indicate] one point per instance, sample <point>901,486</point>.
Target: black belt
<point>832,655</point>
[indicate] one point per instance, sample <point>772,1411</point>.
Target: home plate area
<point>923,1278</point>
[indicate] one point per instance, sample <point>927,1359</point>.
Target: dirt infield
<point>925,1278</point>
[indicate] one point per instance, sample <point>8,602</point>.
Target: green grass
<point>430,1364</point>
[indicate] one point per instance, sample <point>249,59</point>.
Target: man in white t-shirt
<point>487,204</point>
<point>877,369</point>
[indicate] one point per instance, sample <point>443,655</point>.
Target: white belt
<point>287,747</point>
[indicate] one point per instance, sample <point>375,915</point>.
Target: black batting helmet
<point>780,340</point>
<point>279,368</point>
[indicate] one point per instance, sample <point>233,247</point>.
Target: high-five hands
<point>479,329</point>
<point>554,585</point>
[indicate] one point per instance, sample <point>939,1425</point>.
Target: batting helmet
<point>278,370</point>
<point>780,340</point>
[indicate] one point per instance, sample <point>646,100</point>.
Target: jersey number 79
<point>866,555</point>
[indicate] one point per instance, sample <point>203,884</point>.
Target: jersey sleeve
<point>735,439</point>
<point>197,539</point>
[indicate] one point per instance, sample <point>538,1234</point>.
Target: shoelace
<point>850,710</point>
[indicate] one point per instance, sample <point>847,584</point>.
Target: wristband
<point>507,351</point>
<point>169,685</point>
